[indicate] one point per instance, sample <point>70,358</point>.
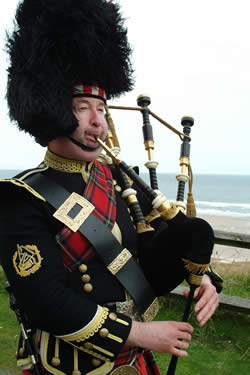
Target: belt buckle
<point>62,213</point>
<point>125,370</point>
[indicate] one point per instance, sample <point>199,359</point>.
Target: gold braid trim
<point>196,268</point>
<point>20,183</point>
<point>65,165</point>
<point>194,279</point>
<point>93,354</point>
<point>108,365</point>
<point>196,271</point>
<point>92,328</point>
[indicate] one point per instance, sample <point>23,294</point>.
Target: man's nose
<point>95,118</point>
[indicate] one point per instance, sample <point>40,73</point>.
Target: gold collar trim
<point>65,165</point>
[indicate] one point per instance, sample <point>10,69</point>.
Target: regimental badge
<point>27,260</point>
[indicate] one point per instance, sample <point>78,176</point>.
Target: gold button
<point>112,316</point>
<point>83,268</point>
<point>85,278</point>
<point>118,188</point>
<point>88,287</point>
<point>55,361</point>
<point>104,332</point>
<point>88,345</point>
<point>96,362</point>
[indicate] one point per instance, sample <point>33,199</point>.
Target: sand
<point>226,254</point>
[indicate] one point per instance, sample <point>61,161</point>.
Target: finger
<point>186,336</point>
<point>185,327</point>
<point>197,292</point>
<point>182,344</point>
<point>208,315</point>
<point>208,302</point>
<point>203,306</point>
<point>205,314</point>
<point>206,297</point>
<point>179,353</point>
<point>211,305</point>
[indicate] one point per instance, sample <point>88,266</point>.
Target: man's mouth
<point>91,138</point>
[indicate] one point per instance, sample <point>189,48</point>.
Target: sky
<point>192,58</point>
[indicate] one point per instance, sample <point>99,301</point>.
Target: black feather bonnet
<point>55,45</point>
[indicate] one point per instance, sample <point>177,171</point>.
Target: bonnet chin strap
<point>81,145</point>
<point>118,260</point>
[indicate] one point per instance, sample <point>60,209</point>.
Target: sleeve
<point>32,262</point>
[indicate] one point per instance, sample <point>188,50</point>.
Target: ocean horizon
<point>214,194</point>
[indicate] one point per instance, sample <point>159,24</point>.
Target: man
<point>64,225</point>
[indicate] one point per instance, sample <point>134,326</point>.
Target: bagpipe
<point>198,260</point>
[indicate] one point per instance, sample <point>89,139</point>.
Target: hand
<point>208,300</point>
<point>163,336</point>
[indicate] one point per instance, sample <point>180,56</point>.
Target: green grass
<point>9,330</point>
<point>222,347</point>
<point>237,285</point>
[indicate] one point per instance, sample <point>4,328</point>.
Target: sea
<point>214,194</point>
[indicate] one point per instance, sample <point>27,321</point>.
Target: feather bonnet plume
<point>56,44</point>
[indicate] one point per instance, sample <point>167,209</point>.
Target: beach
<point>237,258</point>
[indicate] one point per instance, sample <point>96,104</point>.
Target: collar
<point>62,164</point>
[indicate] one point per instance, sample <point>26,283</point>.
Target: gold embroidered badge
<point>27,260</point>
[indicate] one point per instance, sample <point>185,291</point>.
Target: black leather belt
<point>107,247</point>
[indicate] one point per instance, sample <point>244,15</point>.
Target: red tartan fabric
<point>74,248</point>
<point>100,191</point>
<point>151,365</point>
<point>142,360</point>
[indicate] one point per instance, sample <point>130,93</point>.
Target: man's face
<point>91,123</point>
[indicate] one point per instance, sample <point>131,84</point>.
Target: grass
<point>9,330</point>
<point>236,277</point>
<point>221,347</point>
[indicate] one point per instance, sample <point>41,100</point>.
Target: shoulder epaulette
<point>18,180</point>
